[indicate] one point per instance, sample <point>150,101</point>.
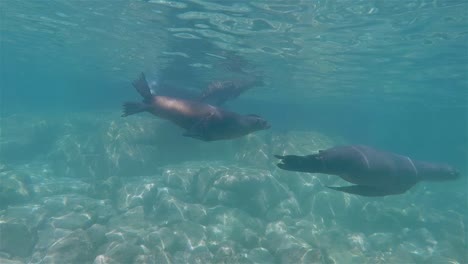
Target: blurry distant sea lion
<point>176,92</point>
<point>218,92</point>
<point>374,172</point>
<point>170,89</point>
<point>202,121</point>
<point>234,62</point>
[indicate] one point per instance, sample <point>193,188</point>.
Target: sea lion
<point>173,91</point>
<point>201,121</point>
<point>170,88</point>
<point>232,62</point>
<point>218,92</point>
<point>374,172</point>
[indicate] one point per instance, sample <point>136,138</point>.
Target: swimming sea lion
<point>176,92</point>
<point>374,172</point>
<point>202,121</point>
<point>233,62</point>
<point>218,92</point>
<point>172,89</point>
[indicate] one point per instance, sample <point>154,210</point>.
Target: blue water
<point>390,74</point>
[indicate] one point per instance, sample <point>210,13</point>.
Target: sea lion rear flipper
<point>311,163</point>
<point>130,108</point>
<point>369,191</point>
<point>142,87</point>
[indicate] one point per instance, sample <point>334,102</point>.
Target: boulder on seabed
<point>417,243</point>
<point>134,193</point>
<point>26,137</point>
<point>134,218</point>
<point>15,188</point>
<point>45,187</point>
<point>382,240</point>
<point>230,252</point>
<point>334,207</point>
<point>104,145</point>
<point>10,261</point>
<point>287,248</point>
<point>165,207</point>
<point>260,255</point>
<point>94,210</point>
<point>198,254</point>
<point>253,190</point>
<point>16,238</point>
<point>75,247</point>
<point>162,256</point>
<point>166,239</point>
<point>72,221</point>
<point>192,179</point>
<point>288,207</point>
<point>254,150</point>
<point>97,235</point>
<point>47,236</point>
<point>119,252</point>
<point>185,240</point>
<point>32,215</point>
<point>224,223</point>
<point>98,146</point>
<point>146,259</point>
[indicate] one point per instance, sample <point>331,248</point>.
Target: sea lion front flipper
<point>198,130</point>
<point>370,191</point>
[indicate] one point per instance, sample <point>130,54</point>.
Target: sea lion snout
<point>449,173</point>
<point>264,124</point>
<point>453,174</point>
<point>440,172</point>
<point>258,123</point>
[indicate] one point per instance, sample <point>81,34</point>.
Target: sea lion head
<point>256,122</point>
<point>441,172</point>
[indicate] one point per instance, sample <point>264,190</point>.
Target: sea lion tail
<point>142,87</point>
<point>130,108</point>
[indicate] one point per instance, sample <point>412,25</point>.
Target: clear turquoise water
<point>392,74</point>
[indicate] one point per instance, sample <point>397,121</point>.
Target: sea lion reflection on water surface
<point>201,121</point>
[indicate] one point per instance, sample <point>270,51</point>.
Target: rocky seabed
<point>95,188</point>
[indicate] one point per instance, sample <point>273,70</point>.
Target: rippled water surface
<point>411,50</point>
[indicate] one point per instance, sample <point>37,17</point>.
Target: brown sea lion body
<point>200,120</point>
